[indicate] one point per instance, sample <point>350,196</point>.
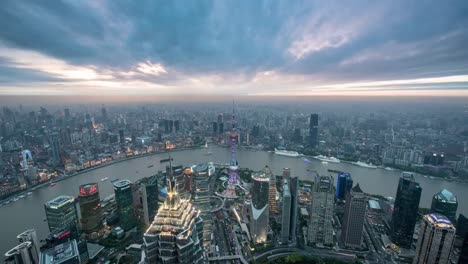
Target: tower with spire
<point>175,236</point>
<point>233,165</point>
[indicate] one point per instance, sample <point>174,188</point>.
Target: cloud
<point>226,47</point>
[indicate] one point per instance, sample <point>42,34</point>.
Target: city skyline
<point>252,49</point>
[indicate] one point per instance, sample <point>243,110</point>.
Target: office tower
<point>271,190</point>
<point>176,233</point>
<point>61,213</point>
<point>177,126</point>
<point>464,251</point>
<point>286,173</point>
<point>259,208</point>
<point>405,210</point>
<point>55,147</point>
<point>321,214</point>
<point>201,198</point>
<point>121,136</point>
<point>220,123</point>
<point>435,240</point>
<point>353,219</point>
<point>150,197</point>
<point>445,203</point>
<point>66,253</point>
<point>90,207</point>
<point>124,200</point>
<point>462,225</point>
<point>67,113</point>
<point>21,254</point>
<point>31,236</point>
<point>313,130</point>
<point>344,183</point>
<point>171,126</point>
<point>286,214</point>
<point>215,127</point>
<point>178,173</point>
<point>104,113</point>
<point>293,189</point>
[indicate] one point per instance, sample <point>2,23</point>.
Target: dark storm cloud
<point>338,41</point>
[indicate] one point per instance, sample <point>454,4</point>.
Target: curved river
<point>29,212</point>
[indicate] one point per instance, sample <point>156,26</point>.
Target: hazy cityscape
<point>263,132</point>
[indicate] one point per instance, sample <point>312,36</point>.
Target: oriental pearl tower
<point>230,191</point>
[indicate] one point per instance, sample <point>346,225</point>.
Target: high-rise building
<point>259,208</point>
<point>445,203</point>
<point>66,253</point>
<point>435,240</point>
<point>293,189</point>
<point>54,141</point>
<point>344,183</point>
<point>405,210</point>
<point>121,136</point>
<point>124,200</point>
<point>175,236</point>
<point>215,127</point>
<point>286,173</point>
<point>321,214</point>
<point>353,219</point>
<point>20,254</point>
<point>150,198</point>
<point>104,113</point>
<point>462,226</point>
<point>90,207</point>
<point>271,190</point>
<point>463,259</point>
<point>286,214</point>
<point>61,213</point>
<point>31,236</point>
<point>313,130</point>
<point>201,198</point>
<point>178,173</point>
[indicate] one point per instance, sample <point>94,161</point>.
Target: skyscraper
<point>90,207</point>
<point>353,219</point>
<point>271,190</point>
<point>21,254</point>
<point>31,236</point>
<point>124,200</point>
<point>344,183</point>
<point>150,198</point>
<point>445,203</point>
<point>464,251</point>
<point>259,208</point>
<point>405,210</point>
<point>61,213</point>
<point>293,189</point>
<point>313,130</point>
<point>286,214</point>
<point>175,236</point>
<point>55,147</point>
<point>435,240</point>
<point>321,215</point>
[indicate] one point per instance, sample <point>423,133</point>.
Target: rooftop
<point>438,220</point>
<point>61,253</point>
<point>446,196</point>
<point>60,201</point>
<point>122,183</point>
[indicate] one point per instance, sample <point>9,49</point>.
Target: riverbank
<point>64,177</point>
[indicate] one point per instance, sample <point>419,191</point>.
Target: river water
<point>29,212</point>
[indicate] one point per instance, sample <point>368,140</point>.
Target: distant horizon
<point>246,48</point>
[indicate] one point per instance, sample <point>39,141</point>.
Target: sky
<point>238,47</point>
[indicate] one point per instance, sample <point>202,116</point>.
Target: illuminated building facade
<point>259,208</point>
<point>90,207</point>
<point>61,213</point>
<point>124,200</point>
<point>175,236</point>
<point>435,241</point>
<point>286,214</point>
<point>445,203</point>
